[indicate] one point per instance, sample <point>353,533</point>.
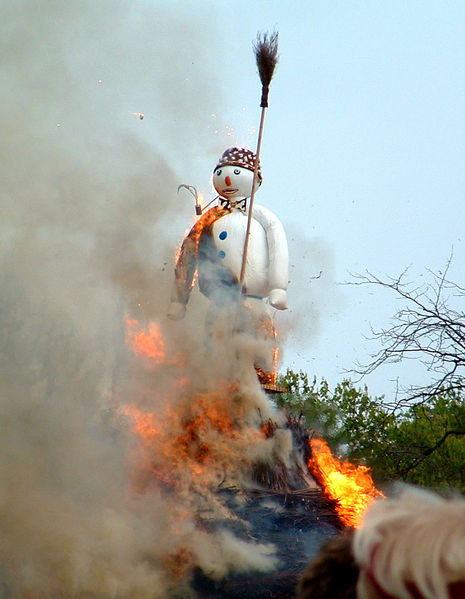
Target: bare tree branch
<point>428,328</point>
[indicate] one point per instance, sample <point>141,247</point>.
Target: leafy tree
<point>310,403</point>
<point>430,443</point>
<point>423,444</point>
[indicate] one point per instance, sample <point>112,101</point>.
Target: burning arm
<point>184,278</point>
<point>187,262</point>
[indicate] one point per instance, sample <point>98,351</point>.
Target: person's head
<point>411,545</point>
<point>233,175</point>
<point>333,573</point>
<point>408,546</point>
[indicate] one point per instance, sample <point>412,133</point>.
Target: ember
<point>350,486</point>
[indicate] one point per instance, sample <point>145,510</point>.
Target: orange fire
<point>187,254</point>
<point>350,486</point>
<point>146,342</point>
<point>191,443</point>
<point>178,249</point>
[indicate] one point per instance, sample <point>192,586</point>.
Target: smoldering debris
<point>296,523</point>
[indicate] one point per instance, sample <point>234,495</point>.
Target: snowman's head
<point>234,173</point>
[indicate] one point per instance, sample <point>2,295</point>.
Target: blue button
<point>221,254</point>
<point>223,235</point>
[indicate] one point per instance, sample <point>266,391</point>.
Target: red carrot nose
<point>227,180</point>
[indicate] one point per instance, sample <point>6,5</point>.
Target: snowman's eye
<point>218,172</point>
<point>237,171</point>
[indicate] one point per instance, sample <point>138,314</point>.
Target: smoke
<point>313,293</point>
<point>89,217</point>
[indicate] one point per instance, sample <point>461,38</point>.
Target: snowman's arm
<point>186,263</point>
<point>278,253</point>
<point>184,272</point>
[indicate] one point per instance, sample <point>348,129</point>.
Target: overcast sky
<point>363,151</point>
<point>363,156</point>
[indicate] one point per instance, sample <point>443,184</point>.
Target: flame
<point>351,486</point>
<point>206,220</point>
<point>145,342</point>
<point>194,233</point>
<point>186,256</point>
<point>144,424</point>
<point>267,330</point>
<point>178,249</point>
<point>191,444</point>
<point>275,354</point>
<point>180,564</point>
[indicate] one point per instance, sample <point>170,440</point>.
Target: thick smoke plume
<point>89,217</point>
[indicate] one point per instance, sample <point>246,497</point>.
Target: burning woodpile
<point>261,487</point>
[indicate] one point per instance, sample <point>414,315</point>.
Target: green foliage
<point>430,443</point>
<point>310,403</point>
<point>424,444</point>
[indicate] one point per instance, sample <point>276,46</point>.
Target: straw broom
<point>266,55</point>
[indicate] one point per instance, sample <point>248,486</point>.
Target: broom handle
<point>252,197</point>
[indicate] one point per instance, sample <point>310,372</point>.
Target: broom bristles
<point>266,54</point>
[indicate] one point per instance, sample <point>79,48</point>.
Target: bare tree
<point>430,327</point>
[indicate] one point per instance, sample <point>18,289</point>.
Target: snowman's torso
<point>228,237</point>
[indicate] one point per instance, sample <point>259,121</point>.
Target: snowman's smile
<point>229,191</point>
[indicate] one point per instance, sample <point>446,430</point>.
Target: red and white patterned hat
<point>239,157</point>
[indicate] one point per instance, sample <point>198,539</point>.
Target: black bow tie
<point>231,204</point>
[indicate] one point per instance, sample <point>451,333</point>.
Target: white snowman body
<point>266,268</point>
<point>262,274</point>
<point>215,246</point>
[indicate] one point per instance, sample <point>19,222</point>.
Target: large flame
<point>197,444</point>
<point>350,486</point>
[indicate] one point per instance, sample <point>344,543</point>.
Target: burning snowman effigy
<point>241,258</point>
<point>250,497</point>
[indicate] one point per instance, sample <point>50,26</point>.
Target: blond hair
<point>411,546</point>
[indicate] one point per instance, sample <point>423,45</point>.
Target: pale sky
<point>363,151</point>
<point>363,156</point>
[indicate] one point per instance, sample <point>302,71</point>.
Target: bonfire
<point>269,487</point>
<point>252,493</point>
